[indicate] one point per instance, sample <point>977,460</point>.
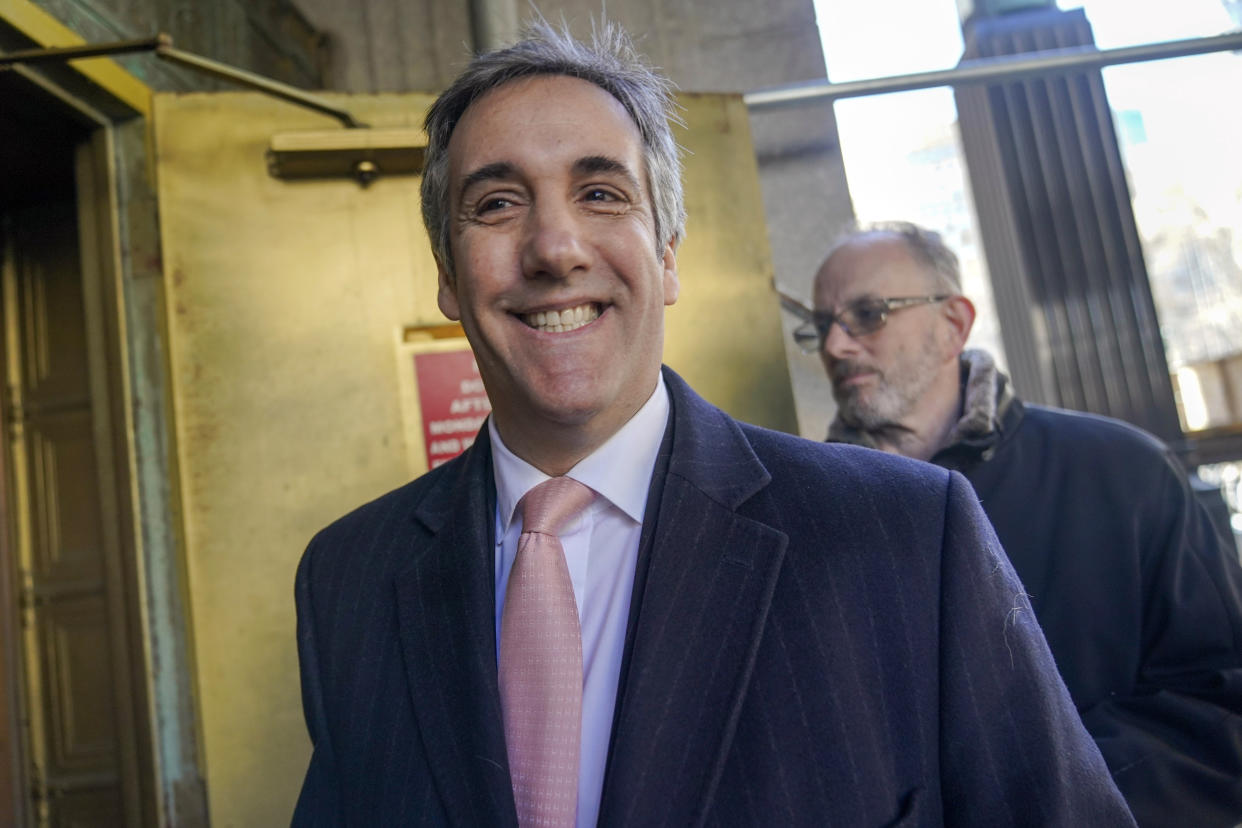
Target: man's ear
<point>446,298</point>
<point>672,285</point>
<point>959,312</point>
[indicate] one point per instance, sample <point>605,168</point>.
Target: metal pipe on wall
<point>992,69</point>
<point>162,46</point>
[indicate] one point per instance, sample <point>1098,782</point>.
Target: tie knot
<point>548,506</point>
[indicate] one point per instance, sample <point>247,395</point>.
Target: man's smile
<point>564,320</point>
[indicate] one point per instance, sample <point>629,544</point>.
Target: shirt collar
<point>620,469</point>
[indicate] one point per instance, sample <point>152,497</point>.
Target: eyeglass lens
<point>862,317</point>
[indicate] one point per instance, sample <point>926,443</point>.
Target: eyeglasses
<point>858,318</point>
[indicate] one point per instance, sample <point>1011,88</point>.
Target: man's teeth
<point>561,321</point>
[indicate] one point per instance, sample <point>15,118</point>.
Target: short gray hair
<point>926,246</point>
<point>610,62</point>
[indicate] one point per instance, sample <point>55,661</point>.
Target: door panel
<point>53,325</point>
<point>79,701</point>
<point>70,660</point>
<point>89,809</point>
<point>65,532</point>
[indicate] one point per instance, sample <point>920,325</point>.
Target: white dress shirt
<point>601,549</point>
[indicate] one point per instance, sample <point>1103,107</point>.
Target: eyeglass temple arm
<point>794,306</point>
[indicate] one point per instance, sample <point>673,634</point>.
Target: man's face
<point>558,283</point>
<point>880,378</point>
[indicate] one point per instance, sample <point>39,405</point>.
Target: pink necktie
<point>541,660</point>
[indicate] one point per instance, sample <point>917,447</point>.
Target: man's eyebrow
<point>495,171</point>
<point>848,303</point>
<point>592,164</point>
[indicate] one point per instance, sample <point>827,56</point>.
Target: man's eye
<point>496,203</point>
<point>599,194</point>
<point>866,315</point>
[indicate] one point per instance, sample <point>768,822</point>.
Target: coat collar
<point>710,452</point>
<point>445,607</point>
<point>697,624</point>
<point>694,629</point>
<point>991,414</point>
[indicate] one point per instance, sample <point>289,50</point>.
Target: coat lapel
<point>696,631</point>
<point>445,605</point>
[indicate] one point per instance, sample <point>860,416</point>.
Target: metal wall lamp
<point>363,154</point>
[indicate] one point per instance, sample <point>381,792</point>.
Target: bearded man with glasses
<point>1139,598</point>
<point>877,399</point>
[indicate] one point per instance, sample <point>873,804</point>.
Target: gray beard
<point>884,410</point>
<point>891,400</point>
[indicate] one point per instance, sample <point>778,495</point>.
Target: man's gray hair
<point>610,62</point>
<point>926,246</point>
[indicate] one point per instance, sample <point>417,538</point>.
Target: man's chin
<point>862,416</point>
<point>849,400</point>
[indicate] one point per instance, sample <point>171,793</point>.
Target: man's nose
<point>837,343</point>
<point>554,246</point>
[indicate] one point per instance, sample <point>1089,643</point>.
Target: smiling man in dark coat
<point>772,631</point>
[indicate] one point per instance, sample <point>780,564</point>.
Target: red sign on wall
<point>452,401</point>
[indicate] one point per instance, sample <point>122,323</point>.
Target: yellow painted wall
<point>286,301</point>
<point>724,334</point>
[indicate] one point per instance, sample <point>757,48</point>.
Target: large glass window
<point>1180,131</point>
<point>902,151</point>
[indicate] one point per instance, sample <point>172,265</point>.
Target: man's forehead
<point>534,98</point>
<point>873,265</point>
<point>540,120</point>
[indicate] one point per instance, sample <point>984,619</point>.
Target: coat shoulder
<point>1091,436</point>
<point>393,515</point>
<point>402,500</point>
<point>840,467</point>
<point>857,496</point>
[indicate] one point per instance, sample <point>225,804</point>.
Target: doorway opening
<point>69,698</point>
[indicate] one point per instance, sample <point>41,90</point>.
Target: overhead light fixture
<point>361,154</point>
